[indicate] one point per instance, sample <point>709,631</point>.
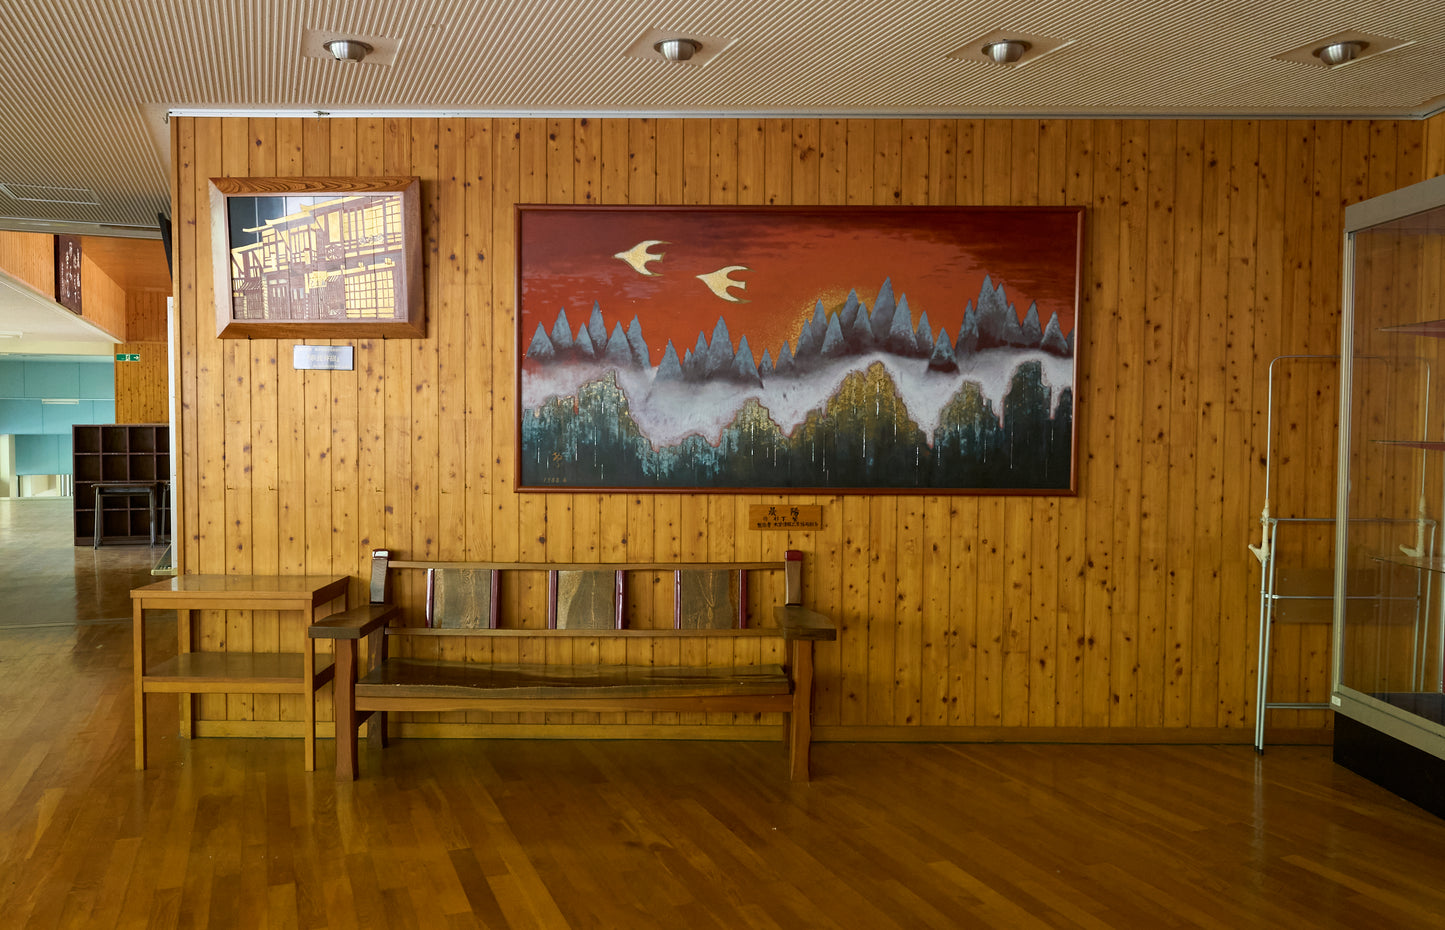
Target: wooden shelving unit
<point>134,453</point>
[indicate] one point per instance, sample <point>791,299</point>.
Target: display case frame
<point>1388,672</point>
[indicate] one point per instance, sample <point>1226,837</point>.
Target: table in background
<point>104,489</point>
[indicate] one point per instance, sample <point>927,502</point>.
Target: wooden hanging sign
<point>786,516</point>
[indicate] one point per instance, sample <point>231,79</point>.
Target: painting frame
<point>593,417</point>
<point>322,257</point>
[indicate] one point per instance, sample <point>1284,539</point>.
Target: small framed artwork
<point>896,349</point>
<point>297,258</point>
<point>67,273</point>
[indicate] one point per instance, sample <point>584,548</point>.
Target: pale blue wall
<point>42,431</point>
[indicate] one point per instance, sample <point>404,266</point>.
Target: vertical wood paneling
<point>236,387</point>
<point>1096,441</point>
<point>1209,248</point>
<point>261,154</point>
<point>29,257</point>
<point>208,439</point>
<point>1129,373</point>
<point>102,301</point>
<point>1241,364</point>
<point>1154,485</point>
<point>1269,255</point>
<point>1072,583</point>
<point>1183,416</point>
<point>145,315</point>
<point>1202,653</point>
<point>142,389</point>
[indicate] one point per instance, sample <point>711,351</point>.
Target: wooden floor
<point>450,834</point>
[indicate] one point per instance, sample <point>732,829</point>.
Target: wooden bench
<point>588,600</point>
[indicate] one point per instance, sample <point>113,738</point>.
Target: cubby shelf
<point>134,453</point>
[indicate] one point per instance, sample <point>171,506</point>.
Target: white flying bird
<point>719,282</point>
<point>638,256</point>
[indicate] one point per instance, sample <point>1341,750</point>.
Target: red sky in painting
<point>937,258</point>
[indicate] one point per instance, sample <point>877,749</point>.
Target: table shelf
<point>226,672</point>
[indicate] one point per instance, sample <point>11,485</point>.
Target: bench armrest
<point>802,623</point>
<point>356,623</point>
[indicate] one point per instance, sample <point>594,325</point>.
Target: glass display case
<point>1389,660</point>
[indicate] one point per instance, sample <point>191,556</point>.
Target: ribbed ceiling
<point>81,74</point>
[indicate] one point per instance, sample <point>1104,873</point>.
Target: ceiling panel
<point>85,81</point>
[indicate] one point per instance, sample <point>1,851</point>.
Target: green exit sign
<point>127,357</point>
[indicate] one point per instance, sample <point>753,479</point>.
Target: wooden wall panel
<point>102,301</point>
<point>142,392</point>
<point>1210,247</point>
<point>145,315</point>
<point>29,257</point>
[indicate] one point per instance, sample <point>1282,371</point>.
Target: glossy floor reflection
<point>45,579</point>
<point>232,833</point>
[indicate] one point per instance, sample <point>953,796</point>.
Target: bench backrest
<point>464,596</point>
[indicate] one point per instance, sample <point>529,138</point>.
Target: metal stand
<point>1268,549</point>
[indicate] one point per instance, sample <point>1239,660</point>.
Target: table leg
<point>151,499</point>
<point>99,516</point>
<point>138,657</point>
<point>308,672</point>
<point>183,645</point>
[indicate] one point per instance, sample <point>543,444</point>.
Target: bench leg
<point>344,684</point>
<point>800,721</point>
<point>376,721</point>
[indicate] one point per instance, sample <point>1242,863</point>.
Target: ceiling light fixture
<point>347,49</point>
<point>1338,53</point>
<point>1006,52</point>
<point>678,49</point>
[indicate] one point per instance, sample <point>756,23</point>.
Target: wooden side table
<point>191,672</point>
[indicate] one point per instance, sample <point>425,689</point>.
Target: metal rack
<point>1267,553</point>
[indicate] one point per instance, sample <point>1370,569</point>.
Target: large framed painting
<point>923,350</point>
<point>297,258</point>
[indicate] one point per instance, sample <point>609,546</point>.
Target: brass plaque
<point>786,516</point>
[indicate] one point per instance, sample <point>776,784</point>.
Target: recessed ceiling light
<point>1337,53</point>
<point>673,46</point>
<point>1341,49</point>
<point>678,49</point>
<point>349,50</point>
<point>1009,48</point>
<point>1006,52</point>
<point>348,45</point>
